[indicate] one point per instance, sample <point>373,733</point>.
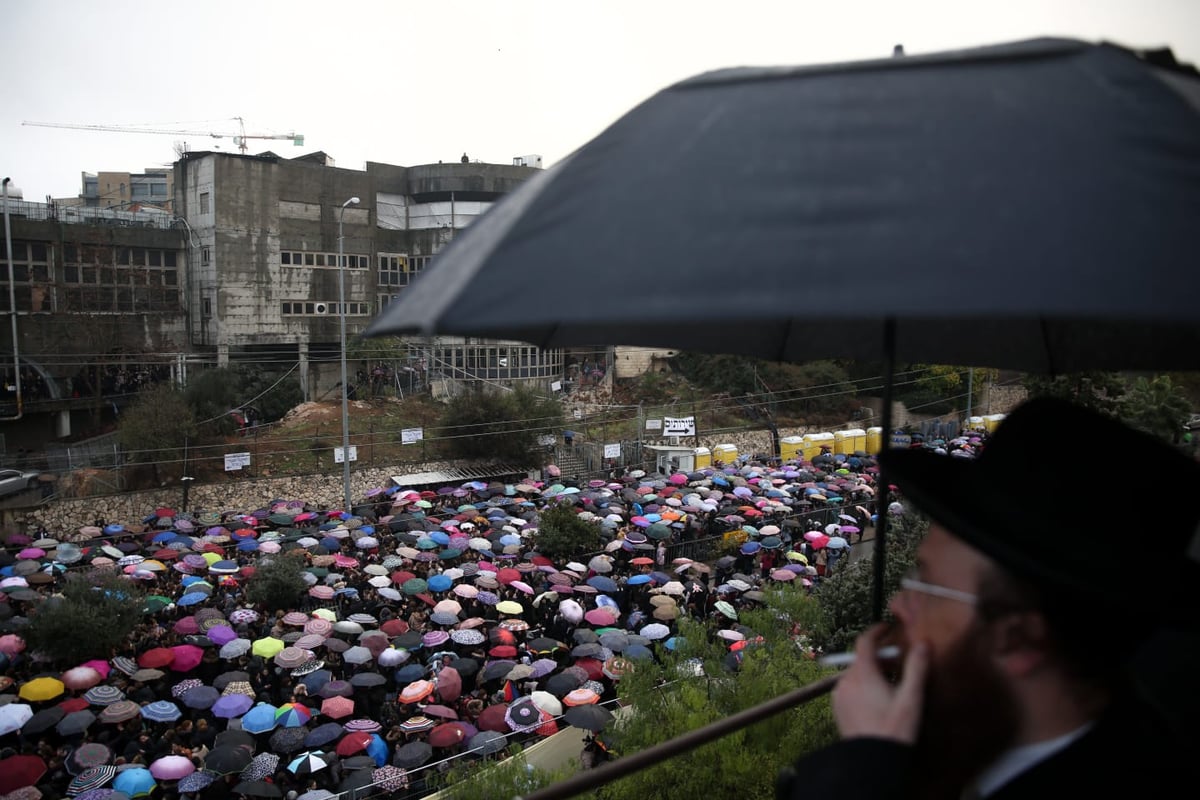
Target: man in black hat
<point>1017,636</point>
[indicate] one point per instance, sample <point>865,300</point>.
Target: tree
<point>484,779</point>
<point>95,613</point>
<point>1100,391</point>
<point>156,429</point>
<point>214,393</point>
<point>499,425</point>
<point>845,596</point>
<point>695,686</point>
<point>562,534</point>
<point>1157,406</point>
<point>277,583</point>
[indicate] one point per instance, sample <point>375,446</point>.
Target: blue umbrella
<point>378,750</point>
<point>324,734</point>
<point>201,697</point>
<point>247,545</point>
<point>439,583</point>
<point>441,537</point>
<point>331,544</point>
<point>638,651</point>
<point>602,583</point>
<point>191,599</point>
<point>259,719</point>
<point>135,782</point>
<point>313,681</point>
<point>161,711</point>
<point>164,537</point>
<point>637,580</point>
<point>509,539</point>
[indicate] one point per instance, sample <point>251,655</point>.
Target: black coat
<point>1130,752</point>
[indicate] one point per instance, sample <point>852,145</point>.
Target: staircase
<point>570,461</point>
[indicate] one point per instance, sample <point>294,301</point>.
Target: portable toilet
<point>813,442</point>
<point>725,453</point>
<point>703,458</point>
<point>791,448</point>
<point>846,442</point>
<point>991,421</point>
<point>976,424</point>
<point>874,441</point>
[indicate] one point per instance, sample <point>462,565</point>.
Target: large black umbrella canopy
<point>1020,206</point>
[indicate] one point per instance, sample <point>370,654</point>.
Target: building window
<point>131,280</point>
<point>322,308</point>
<point>204,202</point>
<point>31,269</point>
<point>393,269</point>
<point>302,258</point>
<point>206,308</point>
<point>204,256</point>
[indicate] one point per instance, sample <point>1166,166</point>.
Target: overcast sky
<point>417,82</point>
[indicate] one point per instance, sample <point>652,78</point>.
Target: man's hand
<point>865,703</point>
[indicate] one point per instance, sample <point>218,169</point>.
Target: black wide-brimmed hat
<point>1048,499</point>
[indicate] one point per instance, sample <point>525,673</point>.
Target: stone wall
<point>65,518</point>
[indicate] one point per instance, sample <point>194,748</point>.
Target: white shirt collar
<point>1019,759</point>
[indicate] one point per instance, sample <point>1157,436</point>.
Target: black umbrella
<point>497,669</point>
<point>466,666</point>
<point>367,679</point>
<point>412,755</point>
<point>589,717</point>
<point>226,678</point>
<point>75,723</point>
<point>43,720</point>
<point>257,789</point>
<point>357,785</point>
<point>227,760</point>
<point>288,740</point>
<point>562,684</point>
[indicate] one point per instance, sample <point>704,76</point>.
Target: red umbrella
<point>503,651</point>
<point>156,658</point>
<point>449,685</point>
<point>73,704</point>
<point>507,576</point>
<point>435,710</point>
<point>352,743</point>
<point>187,657</point>
<point>20,771</point>
<point>492,719</point>
<point>446,735</point>
<point>394,627</point>
<point>337,707</point>
<point>594,668</point>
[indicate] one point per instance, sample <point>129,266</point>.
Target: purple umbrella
<point>231,705</point>
<point>221,634</point>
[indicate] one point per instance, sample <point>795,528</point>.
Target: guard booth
<point>791,448</point>
<point>669,459</point>
<point>703,458</point>
<point>846,442</point>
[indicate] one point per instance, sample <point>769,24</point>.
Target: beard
<point>969,717</point>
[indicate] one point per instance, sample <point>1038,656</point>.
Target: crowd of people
<point>430,628</point>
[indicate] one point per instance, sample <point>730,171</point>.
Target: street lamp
<point>345,387</point>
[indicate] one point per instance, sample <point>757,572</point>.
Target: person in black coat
<point>1016,679</point>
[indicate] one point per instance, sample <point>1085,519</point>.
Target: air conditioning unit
<point>322,308</point>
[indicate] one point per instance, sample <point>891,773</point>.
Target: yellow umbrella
<point>794,556</point>
<point>326,614</point>
<point>509,607</point>
<point>153,565</point>
<point>40,689</point>
<point>267,647</point>
<point>211,557</point>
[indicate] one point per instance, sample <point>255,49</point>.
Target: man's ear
<point>1020,642</point>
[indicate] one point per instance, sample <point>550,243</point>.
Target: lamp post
<point>345,387</point>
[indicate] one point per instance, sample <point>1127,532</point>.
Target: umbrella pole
<point>881,496</point>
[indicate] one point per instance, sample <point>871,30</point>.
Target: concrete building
<point>123,189</point>
<point>244,271</point>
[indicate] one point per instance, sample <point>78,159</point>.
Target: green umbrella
<point>319,572</point>
<point>155,603</point>
<point>281,519</point>
<point>450,552</point>
<point>414,586</point>
<point>658,531</point>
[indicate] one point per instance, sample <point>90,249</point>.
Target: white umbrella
<point>600,564</point>
<point>357,655</point>
<point>547,702</point>
<point>572,612</point>
<point>13,716</point>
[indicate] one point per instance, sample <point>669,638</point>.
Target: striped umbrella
<point>161,711</point>
<point>363,725</point>
<point>104,695</point>
<point>307,763</point>
<point>91,778</point>
<point>123,711</point>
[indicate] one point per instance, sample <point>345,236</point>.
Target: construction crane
<point>239,139</point>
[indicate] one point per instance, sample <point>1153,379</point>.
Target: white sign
<point>612,450</point>
<point>578,414</point>
<point>235,461</point>
<point>654,424</point>
<point>901,440</point>
<point>556,386</point>
<point>337,454</point>
<point>547,439</point>
<point>679,426</point>
<point>411,435</point>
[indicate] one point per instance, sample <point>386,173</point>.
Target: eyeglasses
<point>911,583</point>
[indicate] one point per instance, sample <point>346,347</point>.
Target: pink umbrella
<point>337,707</point>
<point>81,678</point>
<point>31,552</point>
<point>679,479</point>
<point>449,685</point>
<point>11,644</point>
<point>600,616</point>
<point>172,768</point>
<point>187,657</point>
<point>102,667</point>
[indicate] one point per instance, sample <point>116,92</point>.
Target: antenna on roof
<point>897,51</point>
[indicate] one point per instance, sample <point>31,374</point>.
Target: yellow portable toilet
<point>813,442</point>
<point>976,424</point>
<point>703,458</point>
<point>992,421</point>
<point>791,448</point>
<point>725,453</point>
<point>846,442</point>
<point>874,441</point>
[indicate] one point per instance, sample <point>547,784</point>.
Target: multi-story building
<point>124,189</point>
<point>245,271</point>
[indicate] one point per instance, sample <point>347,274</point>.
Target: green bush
<point>95,613</point>
<point>562,535</point>
<point>498,425</point>
<point>277,584</point>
